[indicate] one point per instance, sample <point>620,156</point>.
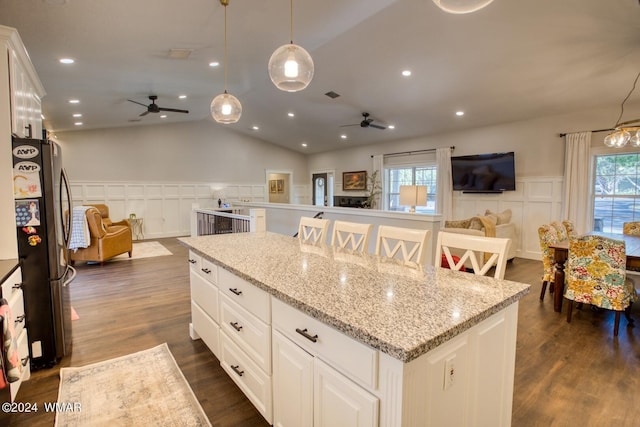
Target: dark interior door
<point>320,192</point>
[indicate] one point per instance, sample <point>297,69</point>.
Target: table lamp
<point>413,195</point>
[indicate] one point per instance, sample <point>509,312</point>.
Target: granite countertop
<point>399,310</point>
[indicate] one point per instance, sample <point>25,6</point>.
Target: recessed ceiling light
<point>254,127</point>
<point>459,113</point>
<point>74,101</point>
<point>291,114</point>
<point>78,123</point>
<point>67,60</point>
<point>391,126</point>
<point>406,73</point>
<point>76,115</point>
<point>304,144</point>
<point>164,116</point>
<point>182,96</point>
<point>343,136</point>
<point>214,64</point>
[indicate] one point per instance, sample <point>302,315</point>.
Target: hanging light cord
<point>625,100</point>
<point>225,48</point>
<point>291,23</point>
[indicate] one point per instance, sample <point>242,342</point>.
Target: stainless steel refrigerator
<point>42,200</point>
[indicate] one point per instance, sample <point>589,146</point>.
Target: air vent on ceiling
<point>180,53</point>
<point>331,94</point>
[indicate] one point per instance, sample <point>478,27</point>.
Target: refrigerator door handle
<point>66,224</point>
<point>71,272</point>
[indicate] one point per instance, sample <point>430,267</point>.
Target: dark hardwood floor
<point>566,374</point>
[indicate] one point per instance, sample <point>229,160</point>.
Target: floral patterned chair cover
<point>561,229</point>
<point>548,235</point>
<point>596,275</point>
<point>571,229</point>
<point>631,228</point>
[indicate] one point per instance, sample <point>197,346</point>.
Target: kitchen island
<point>319,336</point>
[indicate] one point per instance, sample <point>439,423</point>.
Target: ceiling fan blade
<point>346,126</point>
<point>377,126</point>
<point>144,114</point>
<point>136,102</point>
<point>173,110</point>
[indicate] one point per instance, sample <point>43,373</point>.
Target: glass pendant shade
<point>291,68</point>
<point>461,6</point>
<point>635,140</point>
<point>226,109</point>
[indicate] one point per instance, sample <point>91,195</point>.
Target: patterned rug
<point>144,250</point>
<point>141,389</point>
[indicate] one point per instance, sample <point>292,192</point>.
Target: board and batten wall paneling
<point>166,207</point>
<point>536,201</point>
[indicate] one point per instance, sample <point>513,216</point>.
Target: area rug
<point>144,250</point>
<point>141,389</point>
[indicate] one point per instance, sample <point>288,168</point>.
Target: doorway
<point>320,189</point>
<point>279,186</point>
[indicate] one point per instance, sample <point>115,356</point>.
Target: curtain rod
<point>428,150</point>
<point>562,135</point>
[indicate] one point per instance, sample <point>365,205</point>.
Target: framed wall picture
<point>354,181</point>
<point>272,186</point>
<point>280,185</point>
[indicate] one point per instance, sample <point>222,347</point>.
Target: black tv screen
<point>484,173</point>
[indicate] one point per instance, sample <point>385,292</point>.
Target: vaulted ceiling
<point>513,60</point>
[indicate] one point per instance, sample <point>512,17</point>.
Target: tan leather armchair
<point>106,241</point>
<point>104,213</point>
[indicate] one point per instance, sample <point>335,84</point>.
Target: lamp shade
<point>461,6</point>
<point>226,109</point>
<point>291,68</point>
<point>413,195</point>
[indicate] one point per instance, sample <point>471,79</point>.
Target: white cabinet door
<point>292,384</point>
<point>338,402</point>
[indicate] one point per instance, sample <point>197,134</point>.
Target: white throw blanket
<point>80,237</point>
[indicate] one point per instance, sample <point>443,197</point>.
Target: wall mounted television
<point>484,173</point>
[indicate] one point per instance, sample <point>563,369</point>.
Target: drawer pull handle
<point>237,370</point>
<point>235,291</point>
<point>17,286</point>
<point>305,334</point>
<point>192,261</point>
<point>19,319</point>
<point>24,361</point>
<point>236,326</point>
<point>206,270</point>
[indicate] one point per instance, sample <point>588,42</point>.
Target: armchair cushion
<point>503,217</point>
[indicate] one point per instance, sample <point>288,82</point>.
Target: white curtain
<point>444,200</point>
<point>378,160</point>
<point>576,180</point>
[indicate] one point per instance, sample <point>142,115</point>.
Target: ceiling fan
<point>366,122</point>
<point>154,108</point>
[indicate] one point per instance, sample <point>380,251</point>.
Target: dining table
<point>561,253</point>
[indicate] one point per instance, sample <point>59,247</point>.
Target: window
<point>410,175</point>
<point>616,191</point>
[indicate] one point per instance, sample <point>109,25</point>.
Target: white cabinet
<point>26,112</point>
<point>204,325</point>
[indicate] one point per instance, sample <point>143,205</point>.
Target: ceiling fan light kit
<point>461,6</point>
<point>291,66</point>
<point>225,108</point>
<point>625,133</point>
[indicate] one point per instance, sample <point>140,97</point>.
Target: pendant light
<point>625,132</point>
<point>461,6</point>
<point>225,108</point>
<point>290,66</point>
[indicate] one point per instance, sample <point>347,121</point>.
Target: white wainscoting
<point>536,201</point>
<point>164,207</point>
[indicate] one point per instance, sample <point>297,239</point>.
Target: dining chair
<point>351,235</point>
<point>561,229</point>
<point>313,230</point>
<point>595,274</point>
<point>483,252</point>
<point>547,235</point>
<point>405,244</point>
<point>570,227</point>
<point>631,228</point>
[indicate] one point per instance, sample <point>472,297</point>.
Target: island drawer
<point>195,261</point>
<point>250,333</point>
<point>12,284</point>
<point>209,271</point>
<point>354,359</point>
<point>255,384</point>
<point>205,294</point>
<point>23,354</point>
<point>254,300</point>
<point>16,304</point>
<point>206,328</point>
